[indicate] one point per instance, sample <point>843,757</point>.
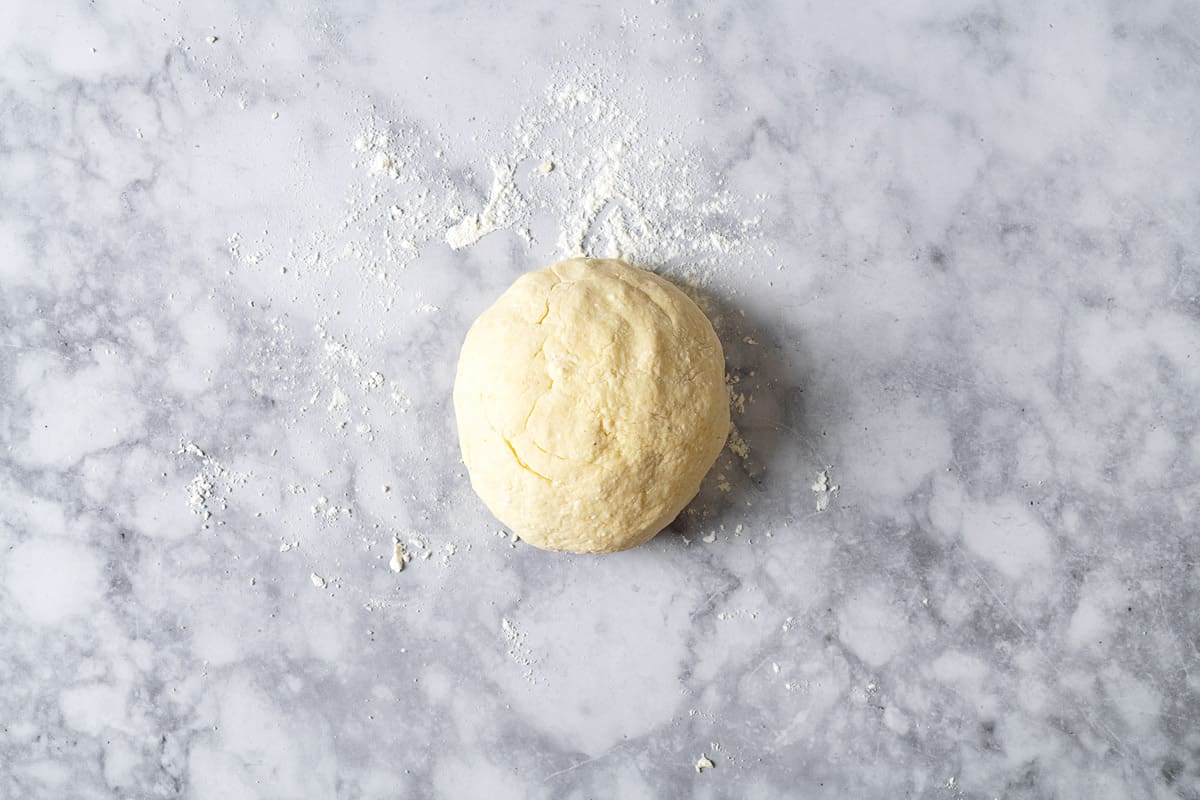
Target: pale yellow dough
<point>591,402</point>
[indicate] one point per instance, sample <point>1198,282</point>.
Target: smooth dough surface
<point>590,401</point>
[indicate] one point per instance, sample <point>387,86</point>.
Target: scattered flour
<point>200,490</point>
<point>448,552</point>
<point>823,489</point>
<point>737,399</point>
<point>518,651</point>
<point>616,190</point>
<point>211,485</point>
<point>578,170</point>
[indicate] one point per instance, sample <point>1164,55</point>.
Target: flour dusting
<point>503,207</point>
<point>609,187</point>
<point>579,169</point>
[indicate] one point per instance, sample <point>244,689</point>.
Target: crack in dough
<point>522,464</point>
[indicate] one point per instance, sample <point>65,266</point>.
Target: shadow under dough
<point>769,372</point>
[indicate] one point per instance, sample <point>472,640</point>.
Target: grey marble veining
<point>982,315</point>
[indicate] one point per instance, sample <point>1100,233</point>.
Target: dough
<point>590,401</point>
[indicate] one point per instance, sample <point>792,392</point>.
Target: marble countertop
<point>951,250</point>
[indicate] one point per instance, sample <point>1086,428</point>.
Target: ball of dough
<point>591,401</point>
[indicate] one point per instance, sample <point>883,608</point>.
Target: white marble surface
<point>975,293</point>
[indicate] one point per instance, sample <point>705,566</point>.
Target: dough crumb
<point>703,763</point>
<point>737,445</point>
<point>738,401</point>
<point>317,581</point>
<point>546,167</point>
<point>398,558</point>
<point>823,489</point>
<point>212,39</point>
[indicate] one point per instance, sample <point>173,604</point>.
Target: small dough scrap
<point>590,401</point>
